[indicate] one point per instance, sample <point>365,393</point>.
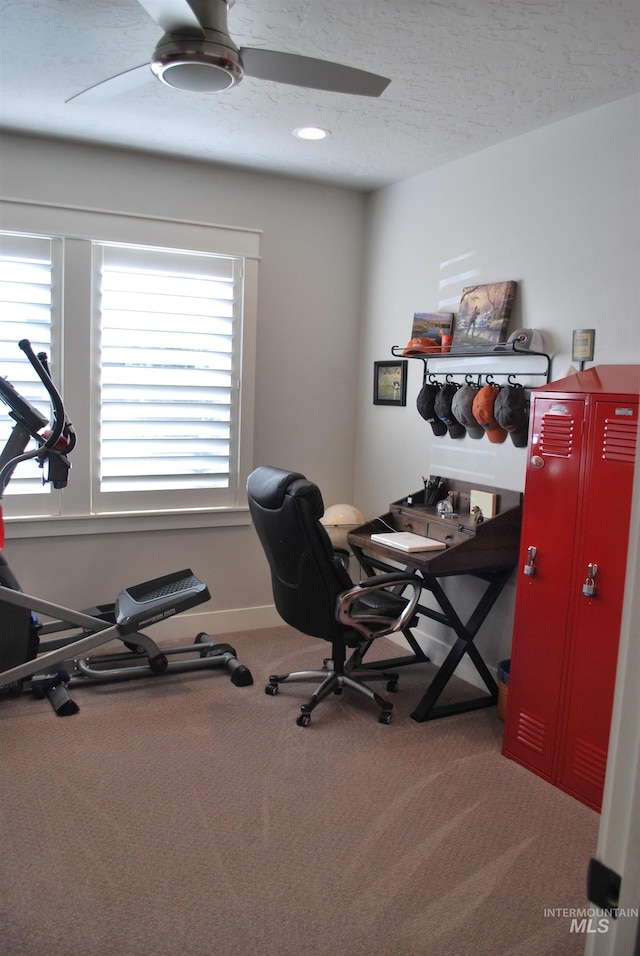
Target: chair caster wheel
<point>384,717</point>
<point>303,720</point>
<point>271,690</point>
<point>392,687</point>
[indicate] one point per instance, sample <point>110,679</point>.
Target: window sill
<point>41,526</point>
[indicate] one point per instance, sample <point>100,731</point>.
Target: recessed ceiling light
<point>311,132</point>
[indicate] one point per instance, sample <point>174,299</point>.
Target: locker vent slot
<point>619,441</point>
<point>531,731</point>
<point>589,763</point>
<point>556,436</point>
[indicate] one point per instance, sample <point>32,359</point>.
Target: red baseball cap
<point>483,412</point>
<point>421,345</point>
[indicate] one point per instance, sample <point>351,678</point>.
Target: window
<point>26,307</point>
<point>167,373</point>
<point>149,344</point>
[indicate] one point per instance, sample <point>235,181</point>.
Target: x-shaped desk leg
<point>427,709</point>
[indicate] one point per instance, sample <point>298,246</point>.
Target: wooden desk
<point>487,551</point>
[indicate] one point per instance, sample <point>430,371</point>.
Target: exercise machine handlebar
<point>54,443</point>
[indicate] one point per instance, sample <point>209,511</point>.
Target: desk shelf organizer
<point>511,365</point>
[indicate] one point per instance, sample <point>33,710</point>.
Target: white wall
<point>557,210</point>
<point>308,312</point>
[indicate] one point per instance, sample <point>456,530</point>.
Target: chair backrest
<point>305,576</point>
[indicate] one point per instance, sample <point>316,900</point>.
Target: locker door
<point>596,623</point>
<point>542,606</point>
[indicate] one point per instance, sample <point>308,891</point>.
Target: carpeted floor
<point>184,816</point>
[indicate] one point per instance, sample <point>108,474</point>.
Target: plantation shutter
<point>168,324</point>
<point>26,304</point>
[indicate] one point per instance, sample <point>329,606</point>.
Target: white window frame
<point>79,228</point>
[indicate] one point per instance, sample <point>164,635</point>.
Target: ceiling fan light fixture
<point>196,54</point>
<point>196,65</point>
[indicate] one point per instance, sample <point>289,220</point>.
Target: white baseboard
<point>212,622</point>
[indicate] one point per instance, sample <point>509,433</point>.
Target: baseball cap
<point>522,340</point>
<point>511,411</point>
<point>445,413</point>
<point>419,346</point>
<point>483,412</point>
<point>425,405</point>
<point>462,408</point>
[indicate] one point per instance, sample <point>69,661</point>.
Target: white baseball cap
<point>522,340</point>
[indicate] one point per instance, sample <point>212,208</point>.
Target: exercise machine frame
<point>47,657</point>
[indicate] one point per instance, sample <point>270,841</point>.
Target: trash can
<point>503,687</point>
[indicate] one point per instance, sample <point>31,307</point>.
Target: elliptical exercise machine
<point>33,660</point>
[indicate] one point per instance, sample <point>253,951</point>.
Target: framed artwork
<point>483,316</point>
<point>390,382</point>
<point>432,325</point>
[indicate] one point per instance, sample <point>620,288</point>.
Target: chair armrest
<point>351,611</point>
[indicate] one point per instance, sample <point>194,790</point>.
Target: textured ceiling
<point>466,74</point>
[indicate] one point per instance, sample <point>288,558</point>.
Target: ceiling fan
<point>196,54</point>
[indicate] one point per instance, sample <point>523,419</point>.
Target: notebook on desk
<point>408,541</point>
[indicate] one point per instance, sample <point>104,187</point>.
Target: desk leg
<point>427,709</point>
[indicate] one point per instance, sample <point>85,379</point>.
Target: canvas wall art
<point>483,316</point>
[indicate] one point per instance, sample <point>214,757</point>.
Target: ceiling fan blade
<point>120,83</point>
<point>174,16</point>
<point>308,72</point>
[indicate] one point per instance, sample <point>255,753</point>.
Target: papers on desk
<point>408,541</point>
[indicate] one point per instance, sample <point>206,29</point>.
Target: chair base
<point>333,681</point>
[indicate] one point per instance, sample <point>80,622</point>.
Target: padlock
<point>529,568</point>
<point>589,586</point>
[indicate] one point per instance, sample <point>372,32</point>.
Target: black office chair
<point>313,592</point>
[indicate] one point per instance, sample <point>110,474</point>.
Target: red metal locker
<point>604,535</point>
<point>576,513</point>
<point>549,518</point>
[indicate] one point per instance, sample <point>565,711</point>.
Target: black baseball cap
<point>511,412</point>
<point>444,411</point>
<point>425,404</point>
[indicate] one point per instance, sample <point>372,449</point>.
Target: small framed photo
<point>583,345</point>
<point>390,382</point>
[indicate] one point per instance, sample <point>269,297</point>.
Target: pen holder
<point>434,491</point>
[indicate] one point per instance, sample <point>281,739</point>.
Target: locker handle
<point>529,568</point>
<point>589,586</point>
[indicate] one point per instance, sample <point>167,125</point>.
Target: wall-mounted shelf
<point>510,365</point>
